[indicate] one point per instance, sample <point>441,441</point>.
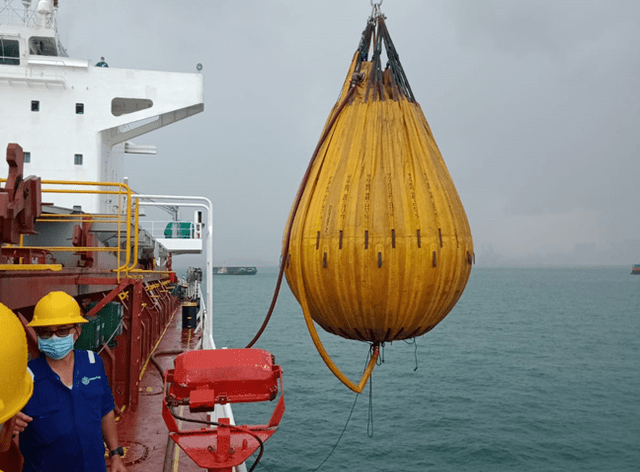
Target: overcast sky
<point>534,105</point>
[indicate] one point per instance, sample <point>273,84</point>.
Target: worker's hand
<point>22,421</point>
<point>117,465</point>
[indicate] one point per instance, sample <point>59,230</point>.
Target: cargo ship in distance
<point>635,269</point>
<point>247,270</point>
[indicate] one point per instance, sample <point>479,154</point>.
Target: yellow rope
<point>325,356</point>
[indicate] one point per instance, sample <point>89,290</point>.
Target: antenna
<point>27,5</point>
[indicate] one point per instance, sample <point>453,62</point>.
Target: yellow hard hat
<point>56,308</point>
<point>16,386</point>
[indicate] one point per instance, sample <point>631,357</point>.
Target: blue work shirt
<point>66,434</point>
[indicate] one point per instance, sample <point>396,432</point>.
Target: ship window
<point>123,106</point>
<point>77,159</point>
<point>42,46</point>
<point>9,52</point>
<point>26,156</point>
<point>35,105</point>
<point>79,108</point>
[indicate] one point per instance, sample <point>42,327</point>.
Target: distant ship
<point>635,269</point>
<point>234,270</point>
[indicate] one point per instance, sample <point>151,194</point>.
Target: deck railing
<point>172,229</point>
<point>123,223</point>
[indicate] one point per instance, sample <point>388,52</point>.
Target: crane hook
<point>376,13</point>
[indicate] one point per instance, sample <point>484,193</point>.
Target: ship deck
<point>142,432</point>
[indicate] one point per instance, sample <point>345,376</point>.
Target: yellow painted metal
<point>38,267</point>
<point>93,192</point>
<point>136,221</point>
<point>75,219</point>
<point>380,245</point>
<point>122,217</point>
<point>121,190</point>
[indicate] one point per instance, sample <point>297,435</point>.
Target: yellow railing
<point>126,208</point>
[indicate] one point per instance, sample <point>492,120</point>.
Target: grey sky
<point>534,105</point>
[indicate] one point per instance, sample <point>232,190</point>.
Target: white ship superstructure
<point>75,121</point>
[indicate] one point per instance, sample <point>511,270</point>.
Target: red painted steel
<point>148,311</point>
<point>148,307</point>
<point>238,375</point>
<point>20,199</point>
<point>203,379</point>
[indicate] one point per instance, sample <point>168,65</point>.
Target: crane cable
<point>355,80</point>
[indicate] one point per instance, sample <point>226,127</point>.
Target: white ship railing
<point>195,202</point>
<point>174,229</point>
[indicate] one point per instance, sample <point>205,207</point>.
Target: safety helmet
<point>56,308</point>
<point>16,386</point>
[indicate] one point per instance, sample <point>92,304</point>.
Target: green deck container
<point>101,328</point>
<point>91,336</point>
<point>178,230</point>
<point>112,316</point>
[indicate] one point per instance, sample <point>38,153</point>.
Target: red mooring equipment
<point>205,378</point>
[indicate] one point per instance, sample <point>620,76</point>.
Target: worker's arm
<point>110,435</point>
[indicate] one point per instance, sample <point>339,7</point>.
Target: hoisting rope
<point>285,253</point>
<point>399,83</point>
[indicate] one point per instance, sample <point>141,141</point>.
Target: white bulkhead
<point>73,118</point>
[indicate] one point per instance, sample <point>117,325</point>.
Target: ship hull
<point>235,270</point>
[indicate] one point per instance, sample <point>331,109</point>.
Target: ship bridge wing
<point>142,101</point>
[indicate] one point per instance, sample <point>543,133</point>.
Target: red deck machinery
<point>203,379</point>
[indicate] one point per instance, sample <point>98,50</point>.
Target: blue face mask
<point>55,347</point>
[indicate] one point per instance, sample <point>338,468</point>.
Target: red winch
<point>205,378</point>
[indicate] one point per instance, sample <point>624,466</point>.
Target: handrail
<point>123,216</point>
<point>127,213</point>
<point>135,239</point>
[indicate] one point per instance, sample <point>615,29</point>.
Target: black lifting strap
<point>377,34</point>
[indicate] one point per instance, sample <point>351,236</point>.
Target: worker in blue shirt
<point>71,412</point>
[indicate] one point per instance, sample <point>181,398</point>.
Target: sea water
<point>534,369</point>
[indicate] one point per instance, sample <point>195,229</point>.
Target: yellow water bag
<point>378,246</point>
